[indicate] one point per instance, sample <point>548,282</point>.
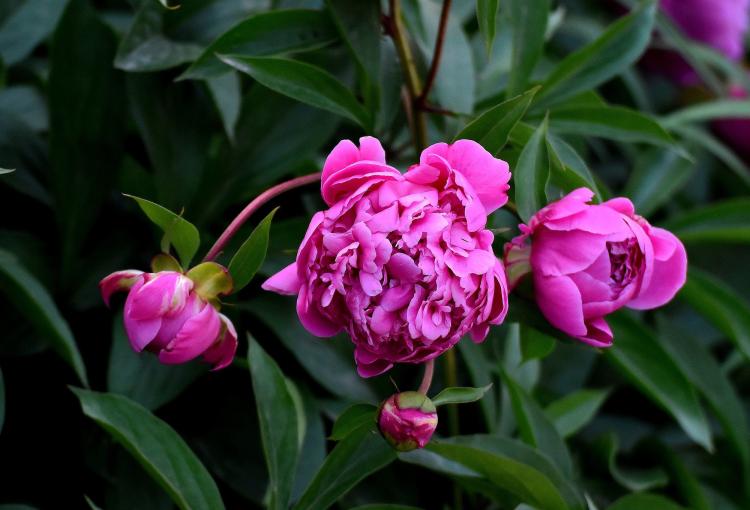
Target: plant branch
<point>253,206</point>
<point>397,31</point>
<point>436,54</point>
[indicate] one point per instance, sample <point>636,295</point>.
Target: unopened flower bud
<point>407,420</point>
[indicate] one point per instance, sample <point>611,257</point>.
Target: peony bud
<point>407,420</point>
<point>175,315</point>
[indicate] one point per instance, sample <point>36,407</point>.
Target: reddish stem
<point>422,99</point>
<point>253,206</point>
<point>429,370</point>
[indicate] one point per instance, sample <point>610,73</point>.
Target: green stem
<point>411,76</point>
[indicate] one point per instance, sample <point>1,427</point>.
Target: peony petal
<point>172,325</point>
<point>285,282</point>
<point>117,281</point>
<point>196,336</point>
<point>560,302</point>
<point>139,332</point>
<point>403,267</point>
<point>597,334</point>
<point>155,297</point>
<point>565,252</point>
<point>222,352</point>
<point>668,274</point>
<point>311,318</point>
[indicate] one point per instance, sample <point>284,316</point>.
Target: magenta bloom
<point>589,260</point>
<point>403,263</point>
<point>166,315</point>
<point>407,420</point>
<point>720,24</point>
<point>736,132</point>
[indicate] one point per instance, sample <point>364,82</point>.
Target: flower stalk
<point>253,206</point>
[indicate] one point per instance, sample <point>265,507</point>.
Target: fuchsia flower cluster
<point>402,262</point>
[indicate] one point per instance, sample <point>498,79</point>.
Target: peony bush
<point>300,254</point>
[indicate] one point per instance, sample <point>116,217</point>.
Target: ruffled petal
<point>669,271</point>
<point>222,352</point>
<point>117,281</point>
<point>196,336</point>
<point>560,302</point>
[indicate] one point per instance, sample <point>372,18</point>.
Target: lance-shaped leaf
<point>249,258</point>
<point>573,411</point>
<point>460,395</point>
<point>529,21</point>
<point>640,357</point>
<point>612,52</point>
<point>267,33</point>
<point>531,174</point>
<point>487,19</point>
<point>279,417</point>
<point>305,83</point>
<point>727,221</point>
<point>492,128</point>
<point>33,302</point>
<point>353,418</point>
<point>358,455</point>
<point>156,446</point>
<point>177,230</point>
<point>611,122</point>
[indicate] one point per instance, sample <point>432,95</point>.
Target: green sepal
<point>211,280</point>
<point>165,262</point>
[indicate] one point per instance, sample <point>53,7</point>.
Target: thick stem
<point>436,54</point>
<point>451,380</point>
<point>409,67</point>
<point>429,370</point>
<point>253,206</point>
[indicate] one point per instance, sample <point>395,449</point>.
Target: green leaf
<point>481,373</point>
<point>535,344</point>
<point>33,301</point>
<point>303,82</point>
<point>697,136</point>
<point>85,141</point>
<point>141,377</point>
<point>169,4</point>
<point>574,411</point>
<point>487,19</point>
<point>227,95</point>
<point>658,175</point>
<point>611,122</point>
<point>6,170</point>
<point>705,373</point>
<point>726,221</point>
<point>513,467</point>
<point>529,21</point>
<point>460,395</point>
<point>279,424</point>
<point>156,446</point>
<point>611,53</point>
<point>535,428</point>
<point>721,305</point>
<point>707,111</point>
<point>640,357</point>
<point>383,506</point>
<point>328,361</point>
<point>267,33</point>
<point>642,501</point>
<point>360,26</point>
<point>636,480</point>
<point>30,24</point>
<point>353,417</point>
<point>145,48</point>
<point>569,162</point>
<point>177,230</point>
<point>357,456</point>
<point>250,256</point>
<point>531,173</point>
<point>492,128</point>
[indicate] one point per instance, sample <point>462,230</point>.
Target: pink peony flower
<point>720,24</point>
<point>736,132</point>
<point>589,260</point>
<point>407,420</point>
<point>402,263</point>
<point>166,314</point>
